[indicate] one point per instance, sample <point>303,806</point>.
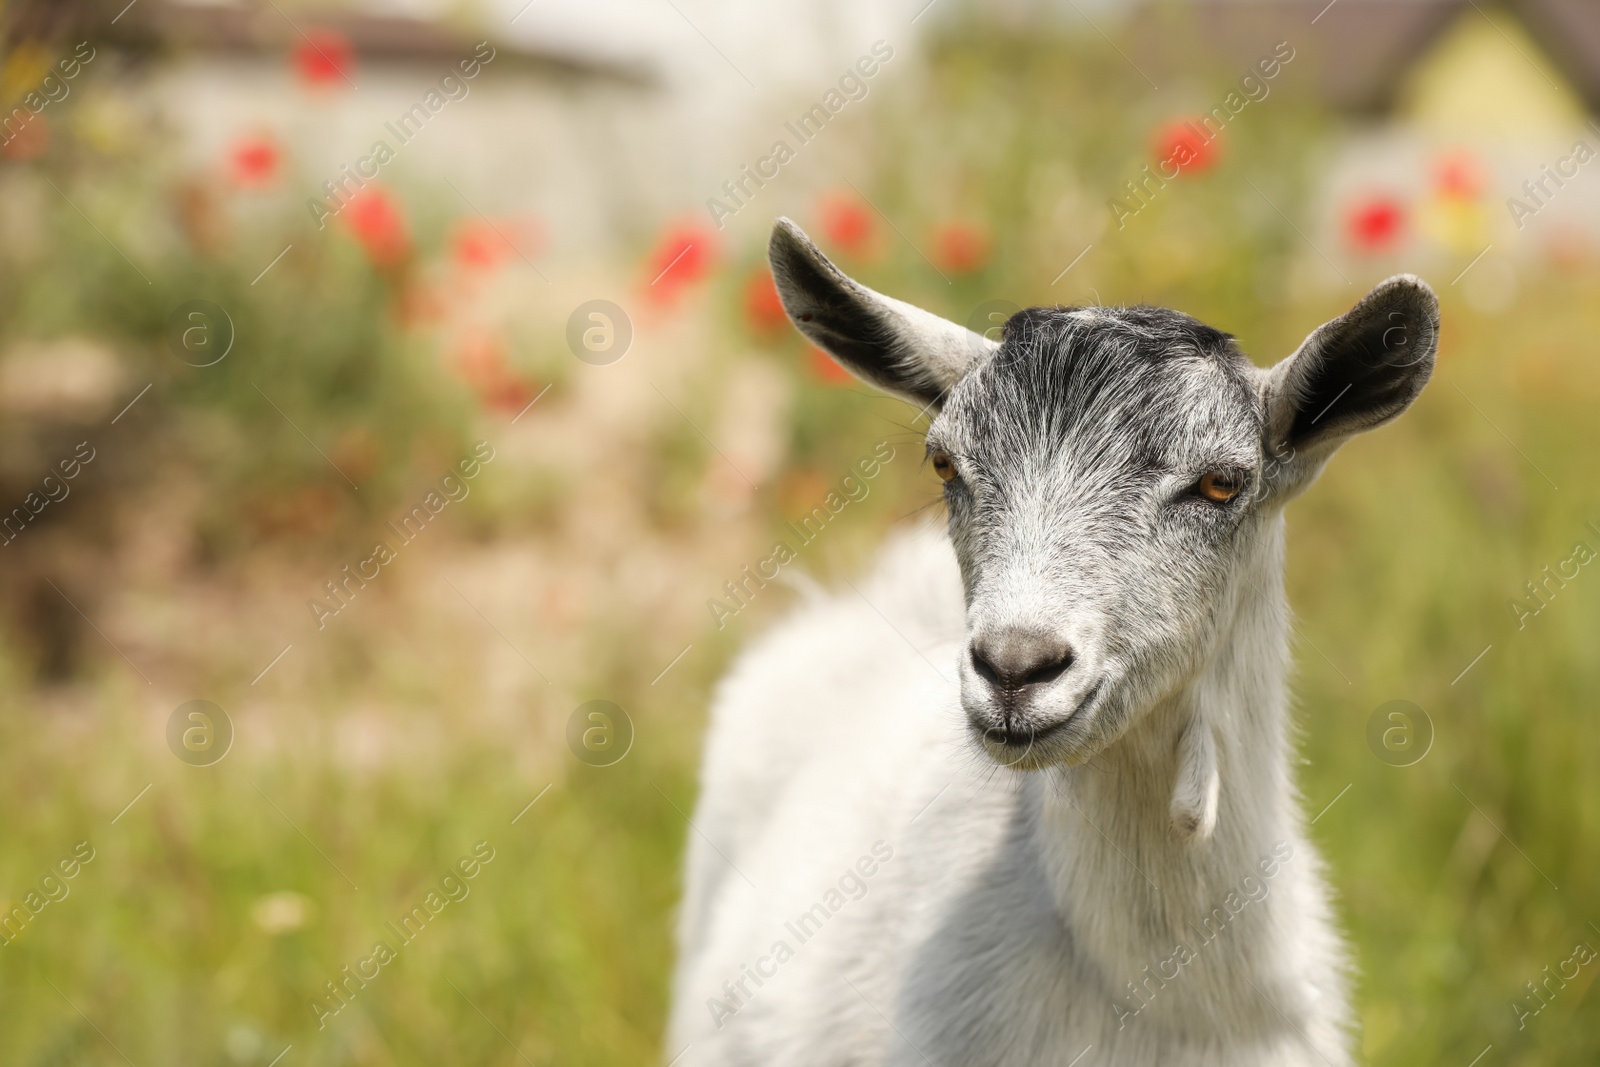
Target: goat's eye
<point>1219,487</point>
<point>942,466</point>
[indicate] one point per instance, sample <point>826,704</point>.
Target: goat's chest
<point>995,975</point>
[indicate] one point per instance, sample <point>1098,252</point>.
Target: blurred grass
<point>1402,563</point>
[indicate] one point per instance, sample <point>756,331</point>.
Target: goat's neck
<point>1125,880</point>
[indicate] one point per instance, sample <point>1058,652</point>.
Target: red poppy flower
<point>1374,224</point>
<point>507,396</point>
<point>323,58</point>
<point>479,244</point>
<point>761,302</point>
<point>481,360</point>
<point>827,369</point>
<point>1186,145</point>
<point>30,141</point>
<point>680,258</point>
<point>1459,176</point>
<point>374,218</point>
<point>476,245</point>
<point>253,162</point>
<point>846,223</point>
<point>960,248</point>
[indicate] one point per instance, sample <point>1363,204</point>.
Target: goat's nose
<point>1012,660</point>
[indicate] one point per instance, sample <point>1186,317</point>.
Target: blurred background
<point>398,378</point>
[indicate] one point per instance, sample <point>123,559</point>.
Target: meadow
<point>433,713</point>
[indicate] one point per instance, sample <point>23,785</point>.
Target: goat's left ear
<point>1352,374</point>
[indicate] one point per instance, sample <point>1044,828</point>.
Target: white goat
<point>1029,801</point>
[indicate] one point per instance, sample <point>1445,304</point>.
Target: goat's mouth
<point>1026,744</point>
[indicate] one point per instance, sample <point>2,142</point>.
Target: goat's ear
<point>885,342</point>
<point>1352,374</point>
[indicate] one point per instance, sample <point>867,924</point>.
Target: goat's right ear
<point>885,342</point>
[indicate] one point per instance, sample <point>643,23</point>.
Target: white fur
<point>1016,906</point>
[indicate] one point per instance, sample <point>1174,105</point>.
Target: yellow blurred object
<point>1486,76</point>
<point>24,69</point>
<point>1458,224</point>
<point>282,912</point>
<point>109,123</point>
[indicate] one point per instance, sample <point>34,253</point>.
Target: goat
<point>1025,797</point>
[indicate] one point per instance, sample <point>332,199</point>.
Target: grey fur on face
<point>1076,446</point>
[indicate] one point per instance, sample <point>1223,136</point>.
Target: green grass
<point>1403,560</point>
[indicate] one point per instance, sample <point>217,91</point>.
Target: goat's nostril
<point>1048,672</point>
<point>985,669</point>
<point>1012,660</point>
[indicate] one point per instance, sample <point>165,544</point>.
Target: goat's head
<point>1110,474</point>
